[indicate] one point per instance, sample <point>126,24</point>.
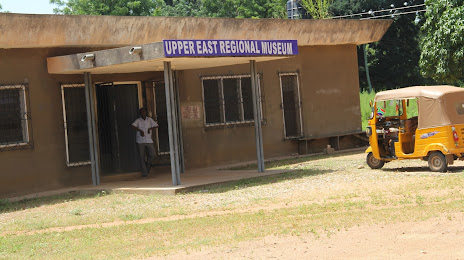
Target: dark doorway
<point>117,107</point>
<point>162,118</point>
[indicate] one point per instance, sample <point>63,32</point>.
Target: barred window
<point>14,117</point>
<point>228,99</point>
<point>291,105</point>
<point>75,125</point>
<point>212,97</point>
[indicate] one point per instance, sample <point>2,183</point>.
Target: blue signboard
<point>198,48</point>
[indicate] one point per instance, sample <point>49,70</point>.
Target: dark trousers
<point>149,150</point>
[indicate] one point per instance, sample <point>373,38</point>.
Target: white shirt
<point>144,125</point>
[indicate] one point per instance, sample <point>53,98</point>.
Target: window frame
<point>222,100</point>
<point>301,130</point>
<point>68,163</point>
<point>26,132</point>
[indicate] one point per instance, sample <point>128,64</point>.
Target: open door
<point>117,108</point>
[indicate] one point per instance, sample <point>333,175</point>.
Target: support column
<point>257,115</point>
<point>92,130</point>
<point>179,125</point>
<point>172,123</point>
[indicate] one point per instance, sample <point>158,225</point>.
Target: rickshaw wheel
<point>437,162</point>
<point>373,162</point>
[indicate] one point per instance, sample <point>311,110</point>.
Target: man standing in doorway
<point>144,126</point>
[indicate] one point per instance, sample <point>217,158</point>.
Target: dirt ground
<point>325,181</point>
<point>437,238</point>
<point>433,239</point>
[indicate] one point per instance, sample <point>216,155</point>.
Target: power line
<point>378,11</point>
<point>374,17</point>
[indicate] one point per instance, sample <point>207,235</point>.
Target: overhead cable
<point>378,11</point>
<point>392,15</point>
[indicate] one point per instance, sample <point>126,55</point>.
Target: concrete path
<point>160,181</point>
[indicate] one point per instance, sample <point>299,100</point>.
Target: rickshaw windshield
<point>389,108</point>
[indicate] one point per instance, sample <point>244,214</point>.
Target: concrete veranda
<point>160,181</point>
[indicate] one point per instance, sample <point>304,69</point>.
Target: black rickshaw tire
<point>373,162</point>
<point>437,162</point>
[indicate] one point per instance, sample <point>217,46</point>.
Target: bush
<point>365,97</point>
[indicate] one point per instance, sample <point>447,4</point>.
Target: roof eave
<point>45,31</point>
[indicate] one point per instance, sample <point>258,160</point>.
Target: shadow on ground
<point>263,180</point>
<point>450,169</point>
<point>285,162</point>
<point>10,206</point>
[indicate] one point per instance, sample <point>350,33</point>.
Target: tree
<point>181,8</point>
<point>350,7</point>
<point>1,7</point>
<point>243,8</point>
<point>317,9</point>
<point>442,44</point>
<point>206,8</point>
<point>108,7</point>
<point>394,60</point>
<point>261,9</point>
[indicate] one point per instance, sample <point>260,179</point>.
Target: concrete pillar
<point>257,116</point>
<point>172,123</point>
<point>92,129</point>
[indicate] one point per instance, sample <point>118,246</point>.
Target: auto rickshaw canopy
<point>437,105</point>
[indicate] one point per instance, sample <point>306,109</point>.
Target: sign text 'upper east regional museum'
<point>184,48</point>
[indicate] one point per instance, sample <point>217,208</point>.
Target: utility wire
<point>378,11</point>
<point>374,17</point>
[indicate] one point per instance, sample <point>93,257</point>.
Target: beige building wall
<point>329,88</point>
<point>44,166</point>
<point>328,77</point>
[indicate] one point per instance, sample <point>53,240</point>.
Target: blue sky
<point>27,6</point>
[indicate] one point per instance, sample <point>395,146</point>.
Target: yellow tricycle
<point>423,122</point>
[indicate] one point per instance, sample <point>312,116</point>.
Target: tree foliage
<point>205,8</point>
<point>244,8</point>
<point>317,9</point>
<point>349,7</point>
<point>442,56</point>
<point>1,7</point>
<point>394,60</point>
<point>108,7</point>
<point>181,8</point>
<point>225,8</point>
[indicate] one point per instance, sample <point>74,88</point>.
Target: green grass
<point>163,238</point>
<point>230,213</point>
<point>365,97</point>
